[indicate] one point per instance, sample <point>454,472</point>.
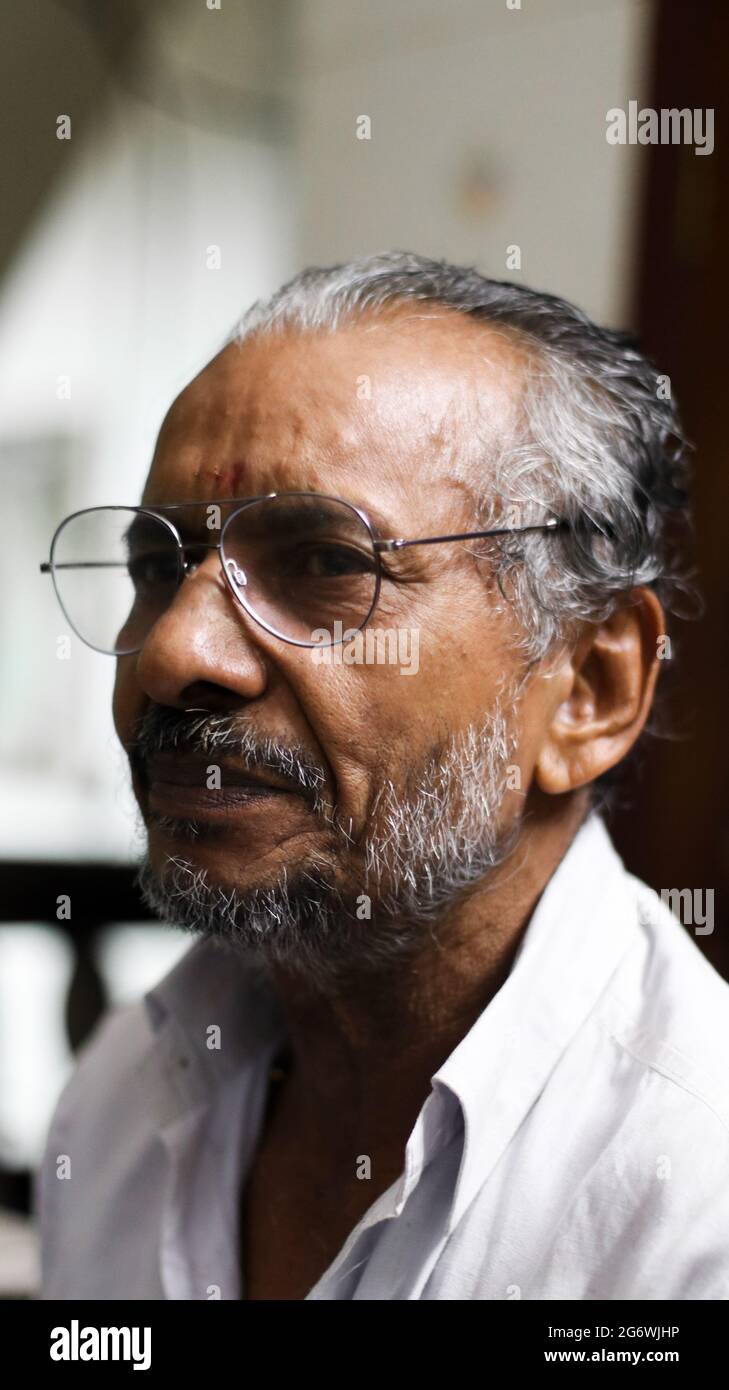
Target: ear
<point>603,690</point>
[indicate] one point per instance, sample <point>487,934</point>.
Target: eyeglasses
<point>306,567</point>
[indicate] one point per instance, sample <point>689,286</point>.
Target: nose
<point>204,647</point>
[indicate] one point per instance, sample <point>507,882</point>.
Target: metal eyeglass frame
<point>229,567</point>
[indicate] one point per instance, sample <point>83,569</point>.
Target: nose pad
<point>236,575</point>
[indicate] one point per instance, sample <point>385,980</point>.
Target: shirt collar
<point>582,926</point>
<point>212,987</point>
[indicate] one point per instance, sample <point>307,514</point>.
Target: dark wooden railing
<point>101,895</point>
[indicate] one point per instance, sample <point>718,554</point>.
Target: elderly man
<point>432,1041</point>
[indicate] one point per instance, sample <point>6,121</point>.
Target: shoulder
<point>668,1009</point>
<point>103,1076</point>
<point>140,1083</point>
<point>101,1084</point>
<point>100,1143</point>
<point>658,1191</point>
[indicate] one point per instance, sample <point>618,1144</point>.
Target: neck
<point>362,1058</point>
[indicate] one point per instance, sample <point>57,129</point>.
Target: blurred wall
<point>487,131</point>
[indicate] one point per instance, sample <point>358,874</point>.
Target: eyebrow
<point>380,524</point>
<point>383,527</point>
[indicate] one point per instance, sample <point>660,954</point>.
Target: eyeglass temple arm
<point>45,567</point>
<point>552,525</point>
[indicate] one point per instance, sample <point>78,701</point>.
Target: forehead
<point>380,408</point>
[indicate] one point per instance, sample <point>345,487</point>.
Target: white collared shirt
<point>575,1144</point>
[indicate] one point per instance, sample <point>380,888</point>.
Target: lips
<point>181,784</point>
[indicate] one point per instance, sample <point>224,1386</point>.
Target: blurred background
<point>165,162</point>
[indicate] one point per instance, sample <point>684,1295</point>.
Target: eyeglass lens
<point>303,566</point>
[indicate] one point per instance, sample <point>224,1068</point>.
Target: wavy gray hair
<point>598,441</point>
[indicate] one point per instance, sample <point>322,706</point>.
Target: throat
<point>300,1201</point>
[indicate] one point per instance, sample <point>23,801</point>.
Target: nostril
<point>210,697</point>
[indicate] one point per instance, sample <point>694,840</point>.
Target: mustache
<point>162,729</point>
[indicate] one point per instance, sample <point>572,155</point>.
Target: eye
<point>332,562</point>
<point>152,569</point>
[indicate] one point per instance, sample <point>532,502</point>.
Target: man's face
<point>382,414</point>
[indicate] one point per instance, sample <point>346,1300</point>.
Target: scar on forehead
<point>227,478</point>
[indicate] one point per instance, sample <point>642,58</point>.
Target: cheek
<point>353,714</point>
<point>127,699</point>
<point>401,690</point>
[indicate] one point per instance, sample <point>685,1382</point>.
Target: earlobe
<point>606,688</point>
<point>552,773</point>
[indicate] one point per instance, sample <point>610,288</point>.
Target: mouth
<point>181,785</point>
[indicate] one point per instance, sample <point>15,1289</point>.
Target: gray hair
<point>598,444</point>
